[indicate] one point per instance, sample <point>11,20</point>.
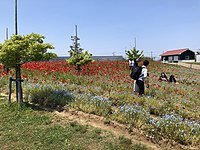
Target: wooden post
<point>18,85</point>
<point>16,81</point>
<point>10,90</point>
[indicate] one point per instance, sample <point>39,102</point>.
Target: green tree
<point>21,49</point>
<point>134,54</point>
<point>79,59</point>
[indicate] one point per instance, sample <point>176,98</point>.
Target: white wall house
<point>179,55</point>
<point>197,57</point>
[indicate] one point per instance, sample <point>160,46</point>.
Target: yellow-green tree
<point>78,58</point>
<point>134,54</point>
<point>21,49</point>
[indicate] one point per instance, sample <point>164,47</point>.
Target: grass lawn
<point>32,128</point>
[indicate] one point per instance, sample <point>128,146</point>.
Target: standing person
<point>135,86</point>
<point>142,77</point>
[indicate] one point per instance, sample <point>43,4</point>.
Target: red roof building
<point>174,56</point>
<point>174,52</point>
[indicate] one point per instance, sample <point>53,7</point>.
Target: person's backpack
<point>136,72</point>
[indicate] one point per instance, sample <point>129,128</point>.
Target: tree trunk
<point>19,95</point>
<point>79,68</point>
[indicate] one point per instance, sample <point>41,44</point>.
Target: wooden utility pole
<point>76,45</point>
<point>15,25</point>
<point>18,68</point>
<point>76,39</point>
<point>6,33</point>
<point>135,42</point>
<point>16,32</point>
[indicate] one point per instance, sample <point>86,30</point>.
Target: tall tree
<point>78,58</point>
<point>21,49</point>
<point>134,54</point>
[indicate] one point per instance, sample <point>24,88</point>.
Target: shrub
<point>49,97</point>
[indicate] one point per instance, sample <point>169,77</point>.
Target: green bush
<point>49,97</point>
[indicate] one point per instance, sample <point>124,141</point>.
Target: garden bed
<point>169,111</point>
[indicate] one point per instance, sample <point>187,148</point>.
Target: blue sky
<point>107,26</point>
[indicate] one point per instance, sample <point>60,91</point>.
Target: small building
<point>179,55</point>
<point>198,57</point>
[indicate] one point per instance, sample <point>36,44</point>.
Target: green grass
<point>32,128</point>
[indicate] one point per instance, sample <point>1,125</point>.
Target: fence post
<point>10,90</point>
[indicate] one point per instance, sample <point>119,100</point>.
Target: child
<point>172,79</point>
<point>163,77</point>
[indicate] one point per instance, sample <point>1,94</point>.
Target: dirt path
<point>115,128</point>
<point>193,66</point>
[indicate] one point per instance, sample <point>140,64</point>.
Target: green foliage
<point>21,49</point>
<point>79,59</point>
<point>134,54</point>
